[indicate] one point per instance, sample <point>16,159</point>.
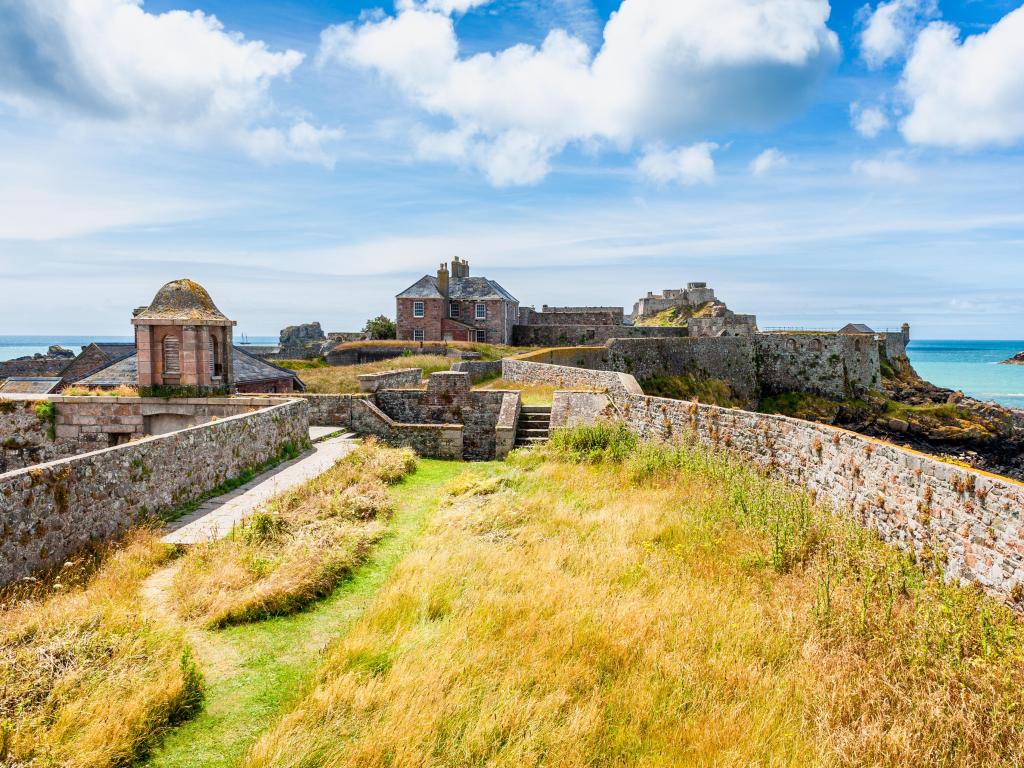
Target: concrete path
<point>319,433</point>
<point>215,518</point>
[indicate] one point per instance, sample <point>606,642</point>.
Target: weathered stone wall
<point>400,379</point>
<point>84,424</point>
<point>448,399</point>
<point>827,364</point>
<point>368,353</point>
<point>508,422</point>
<point>439,441</point>
<point>329,410</point>
<point>913,500</point>
<point>573,409</point>
<point>50,511</point>
<point>614,316</point>
<point>564,376</point>
<point>894,345</point>
<point>479,370</point>
<point>730,359</point>
<point>571,335</point>
<point>26,438</point>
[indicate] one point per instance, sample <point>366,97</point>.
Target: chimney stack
<point>460,268</point>
<point>442,279</point>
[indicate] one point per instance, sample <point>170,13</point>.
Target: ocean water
<point>973,367</point>
<point>20,346</point>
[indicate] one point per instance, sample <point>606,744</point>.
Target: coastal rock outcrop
<point>1017,359</point>
<point>303,341</point>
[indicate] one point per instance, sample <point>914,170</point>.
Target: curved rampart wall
<point>913,500</point>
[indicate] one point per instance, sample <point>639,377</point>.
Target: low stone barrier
<point>401,379</point>
<point>50,511</point>
<point>439,441</point>
<point>479,370</point>
<point>508,422</point>
<point>79,424</point>
<point>563,376</point>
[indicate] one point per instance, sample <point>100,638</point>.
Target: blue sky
<point>817,164</point>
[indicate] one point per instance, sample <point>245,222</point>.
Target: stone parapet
<point>564,376</point>
<point>399,379</point>
<point>50,511</point>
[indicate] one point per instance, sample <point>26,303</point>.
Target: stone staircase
<point>534,425</point>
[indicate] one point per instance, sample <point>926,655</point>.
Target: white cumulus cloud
<point>179,74</point>
<point>769,160</point>
<point>868,121</point>
<point>890,28</point>
<point>889,167</point>
<point>686,165</point>
<point>966,94</point>
<point>667,72</point>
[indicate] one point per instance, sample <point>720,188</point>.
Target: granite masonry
<point>400,379</point>
<point>913,500</point>
<point>49,512</point>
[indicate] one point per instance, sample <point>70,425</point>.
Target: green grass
<point>712,391</point>
<point>259,668</point>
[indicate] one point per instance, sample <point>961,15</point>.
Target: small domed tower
<point>183,340</point>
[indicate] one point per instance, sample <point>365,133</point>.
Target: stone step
<point>523,442</point>
<point>529,432</point>
<point>537,423</point>
<point>545,409</point>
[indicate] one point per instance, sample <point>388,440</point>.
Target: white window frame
<point>481,311</point>
<point>453,310</point>
<point>419,309</point>
<point>418,335</point>
<point>481,336</point>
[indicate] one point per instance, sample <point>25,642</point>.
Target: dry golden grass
<point>296,549</point>
<point>86,678</point>
<point>345,378</point>
<point>77,390</point>
<point>608,605</point>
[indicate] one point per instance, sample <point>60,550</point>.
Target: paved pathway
<point>215,518</point>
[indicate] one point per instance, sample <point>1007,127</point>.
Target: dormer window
<point>481,311</point>
<point>417,309</point>
<point>453,309</point>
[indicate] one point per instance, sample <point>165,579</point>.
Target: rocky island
<point>1017,359</point>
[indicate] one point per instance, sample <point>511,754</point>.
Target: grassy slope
<point>344,378</point>
<point>674,610</point>
<point>263,666</point>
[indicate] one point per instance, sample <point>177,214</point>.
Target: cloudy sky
<point>307,159</point>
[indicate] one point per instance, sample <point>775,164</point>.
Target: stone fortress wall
<point>81,424</point>
<point>912,500</point>
<point>50,511</point>
<point>693,295</point>
<point>828,364</point>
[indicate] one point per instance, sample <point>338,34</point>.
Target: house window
<point>417,309</point>
<point>481,335</point>
<point>172,356</point>
<point>481,311</point>
<point>417,335</point>
<point>453,309</point>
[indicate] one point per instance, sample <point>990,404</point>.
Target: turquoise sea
<point>971,366</point>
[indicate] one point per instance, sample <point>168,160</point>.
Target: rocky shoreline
<point>1017,359</point>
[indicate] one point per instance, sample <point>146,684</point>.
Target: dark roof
<point>121,372</point>
<point>248,370</point>
<point>182,300</point>
<point>29,385</point>
<point>855,328</point>
<point>459,288</point>
<point>115,350</point>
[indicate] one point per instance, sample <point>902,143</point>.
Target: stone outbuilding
<point>183,340</point>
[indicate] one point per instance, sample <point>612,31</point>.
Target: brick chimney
<point>460,268</point>
<point>442,279</point>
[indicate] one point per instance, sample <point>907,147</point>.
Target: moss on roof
<point>182,300</point>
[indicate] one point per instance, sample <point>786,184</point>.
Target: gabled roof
<point>855,328</point>
<point>459,289</point>
<point>248,370</point>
